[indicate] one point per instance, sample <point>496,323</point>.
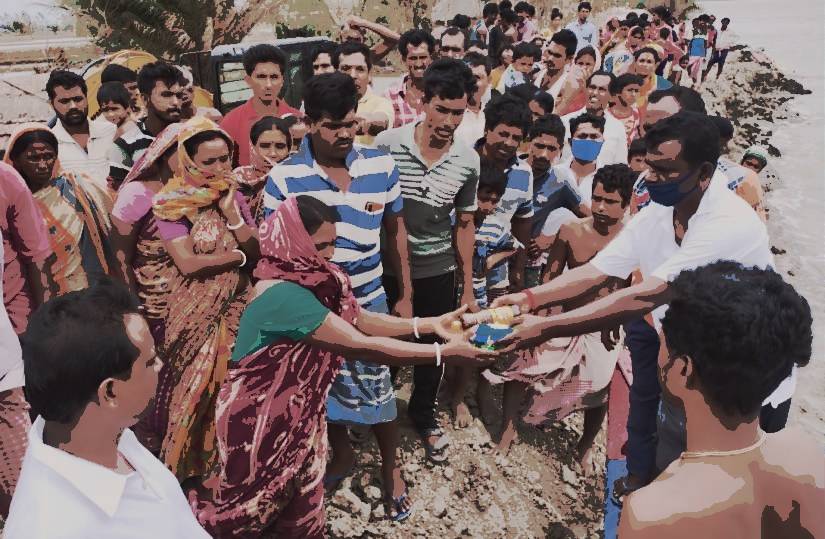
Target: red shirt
<point>240,120</point>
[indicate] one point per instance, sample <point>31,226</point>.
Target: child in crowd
<point>624,91</point>
<point>636,161</point>
<point>525,55</point>
<point>115,105</point>
<point>491,186</point>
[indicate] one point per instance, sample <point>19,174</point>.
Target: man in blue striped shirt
<point>362,184</point>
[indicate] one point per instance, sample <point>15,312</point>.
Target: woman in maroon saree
<point>271,410</point>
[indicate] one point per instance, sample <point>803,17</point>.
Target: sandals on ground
<point>437,452</point>
<point>397,507</point>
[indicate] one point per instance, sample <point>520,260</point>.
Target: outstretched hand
<point>527,333</point>
<point>517,298</point>
<point>443,325</point>
<point>459,351</point>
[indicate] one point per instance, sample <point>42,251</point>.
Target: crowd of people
<point>202,313</point>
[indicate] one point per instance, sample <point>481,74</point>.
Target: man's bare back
<point>776,491</point>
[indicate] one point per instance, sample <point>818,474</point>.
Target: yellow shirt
<point>372,103</point>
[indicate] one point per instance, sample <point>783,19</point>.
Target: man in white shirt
<point>694,220</point>
<point>585,142</point>
<point>14,411</point>
<point>586,32</point>
<point>91,371</point>
<point>82,146</point>
<point>471,127</point>
<point>557,57</point>
<point>720,49</point>
<point>614,150</point>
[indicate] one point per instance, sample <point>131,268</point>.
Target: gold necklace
<point>697,454</point>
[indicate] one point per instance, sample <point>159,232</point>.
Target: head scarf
<point>190,189</point>
<point>288,254</point>
<point>162,142</point>
<point>30,128</point>
<point>255,173</point>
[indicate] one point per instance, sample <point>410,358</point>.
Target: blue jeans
<point>643,342</point>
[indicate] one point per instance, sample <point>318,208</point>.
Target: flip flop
<point>437,452</point>
<point>333,481</point>
<point>622,489</point>
<point>400,514</point>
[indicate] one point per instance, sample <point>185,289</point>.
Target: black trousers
<point>432,296</point>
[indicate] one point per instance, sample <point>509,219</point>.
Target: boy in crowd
<point>417,48</point>
<point>742,180</point>
<point>91,370</point>
<point>525,55</point>
<point>755,158</point>
<point>161,87</point>
<point>265,66</point>
<point>439,174</point>
<point>576,375</point>
<point>624,91</point>
<point>127,77</point>
<point>731,334</point>
<point>115,105</point>
<point>555,200</point>
<point>527,28</point>
<point>374,112</point>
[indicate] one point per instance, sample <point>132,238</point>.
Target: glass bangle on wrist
<point>237,226</point>
<point>415,327</point>
<point>243,257</point>
<point>437,354</point>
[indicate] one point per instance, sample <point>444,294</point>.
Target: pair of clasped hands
<point>458,335</point>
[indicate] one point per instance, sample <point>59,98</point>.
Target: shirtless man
<point>575,245</point>
<point>732,334</point>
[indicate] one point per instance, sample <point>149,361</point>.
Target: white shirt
<point>60,496</point>
<point>586,34</point>
<point>471,127</point>
<point>11,357</point>
<point>724,40</point>
<point>93,161</point>
<point>614,149</point>
<point>555,88</point>
<point>584,185</point>
<point>724,227</point>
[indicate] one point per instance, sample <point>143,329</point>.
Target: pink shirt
<point>239,122</point>
<point>25,240</point>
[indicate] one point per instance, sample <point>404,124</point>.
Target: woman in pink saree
<point>271,425</point>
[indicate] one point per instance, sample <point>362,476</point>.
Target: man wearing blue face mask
<point>586,141</point>
<point>693,220</point>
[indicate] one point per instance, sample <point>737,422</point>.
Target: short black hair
<point>664,33</point>
<point>448,78</point>
<point>333,94</point>
<point>117,73</point>
<point>508,15</point>
<point>64,79</point>
<point>616,178</point>
<point>269,123</point>
<point>72,344</point>
<point>586,118</point>
<point>351,47</point>
<point>508,110</point>
<point>725,20</point>
<point>584,5</point>
<point>191,144</point>
<point>724,126</point>
<point>504,47</point>
<point>22,142</point>
<point>688,98</point>
<point>524,91</point>
<point>462,22</point>
<point>526,49</point>
<point>114,92</point>
<point>490,8</point>
<point>602,73</point>
<point>475,59</point>
<point>586,51</point>
<point>744,329</point>
<point>637,31</point>
<point>153,72</point>
<point>525,7</point>
<point>315,213</point>
<point>697,134</point>
<point>637,147</point>
<point>505,4</point>
<point>545,101</point>
<point>555,14</point>
<point>493,179</point>
<point>415,37</point>
<point>549,124</point>
<point>647,50</point>
<point>262,53</point>
<point>476,43</point>
<point>567,39</point>
<point>623,81</point>
<point>455,31</point>
<point>325,47</point>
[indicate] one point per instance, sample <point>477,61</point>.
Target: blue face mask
<point>669,193</point>
<point>585,149</point>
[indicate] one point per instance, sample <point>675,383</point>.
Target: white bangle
<point>415,328</point>
<point>243,257</point>
<point>437,354</point>
<point>236,227</point>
